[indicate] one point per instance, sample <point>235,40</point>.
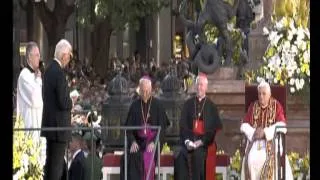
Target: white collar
<point>200,99</point>
<point>75,154</point>
<point>58,62</point>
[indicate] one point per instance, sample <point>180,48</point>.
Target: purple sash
<point>147,134</point>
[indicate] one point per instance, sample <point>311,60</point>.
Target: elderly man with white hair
<point>259,126</point>
<point>199,124</point>
<point>144,112</point>
<point>57,106</point>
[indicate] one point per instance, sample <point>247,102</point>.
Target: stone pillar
<point>257,41</point>
<point>120,44</point>
<point>164,39</point>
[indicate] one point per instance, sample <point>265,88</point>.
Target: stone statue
<point>206,56</point>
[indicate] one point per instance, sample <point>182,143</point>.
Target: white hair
<point>264,84</point>
<point>205,79</point>
<point>145,80</point>
<point>63,46</point>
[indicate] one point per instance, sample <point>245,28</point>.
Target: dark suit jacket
<point>77,167</point>
<point>57,103</point>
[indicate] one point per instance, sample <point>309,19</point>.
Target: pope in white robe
<point>259,127</point>
<point>29,92</point>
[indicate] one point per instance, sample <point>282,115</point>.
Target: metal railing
<point>125,128</point>
<point>280,160</point>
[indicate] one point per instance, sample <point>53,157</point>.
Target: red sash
<point>198,127</point>
<point>211,162</point>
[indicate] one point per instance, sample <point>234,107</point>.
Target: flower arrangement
<point>235,166</point>
<point>287,58</point>
<point>166,149</point>
<point>28,155</point>
<point>300,165</point>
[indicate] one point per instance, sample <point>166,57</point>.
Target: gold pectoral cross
<point>259,146</point>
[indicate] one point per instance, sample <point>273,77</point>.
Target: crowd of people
<point>49,99</point>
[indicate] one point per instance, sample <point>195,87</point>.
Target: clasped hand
<point>194,145</point>
<point>259,133</point>
<point>135,147</point>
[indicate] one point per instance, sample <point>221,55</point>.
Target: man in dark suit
<point>57,106</point>
<point>77,169</point>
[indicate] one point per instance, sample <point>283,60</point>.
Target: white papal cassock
<point>268,118</point>
<point>29,100</point>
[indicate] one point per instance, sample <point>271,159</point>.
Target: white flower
<point>275,80</point>
<point>298,70</point>
<point>279,25</point>
<point>272,63</point>
<point>279,47</point>
<point>273,38</point>
<point>269,76</point>
<point>307,32</point>
<point>302,45</point>
<point>25,160</point>
<point>265,31</point>
<point>286,46</point>
<point>259,79</point>
<point>308,73</point>
<point>43,147</point>
<point>292,90</point>
<point>290,35</point>
<point>15,176</point>
<point>306,57</point>
<point>277,38</point>
<point>278,60</point>
<point>294,49</point>
<point>300,34</point>
<point>291,25</point>
<point>291,82</point>
<point>302,82</point>
<point>297,83</point>
<point>290,72</point>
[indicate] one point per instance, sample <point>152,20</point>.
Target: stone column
<point>257,41</point>
<point>120,44</point>
<point>164,39</point>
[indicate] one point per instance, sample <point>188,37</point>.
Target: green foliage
<point>118,12</point>
<point>211,33</point>
<point>300,165</point>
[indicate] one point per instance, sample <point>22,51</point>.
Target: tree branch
<point>62,10</point>
<point>44,13</point>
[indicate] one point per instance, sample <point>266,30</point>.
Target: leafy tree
<point>53,21</point>
<point>105,16</point>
